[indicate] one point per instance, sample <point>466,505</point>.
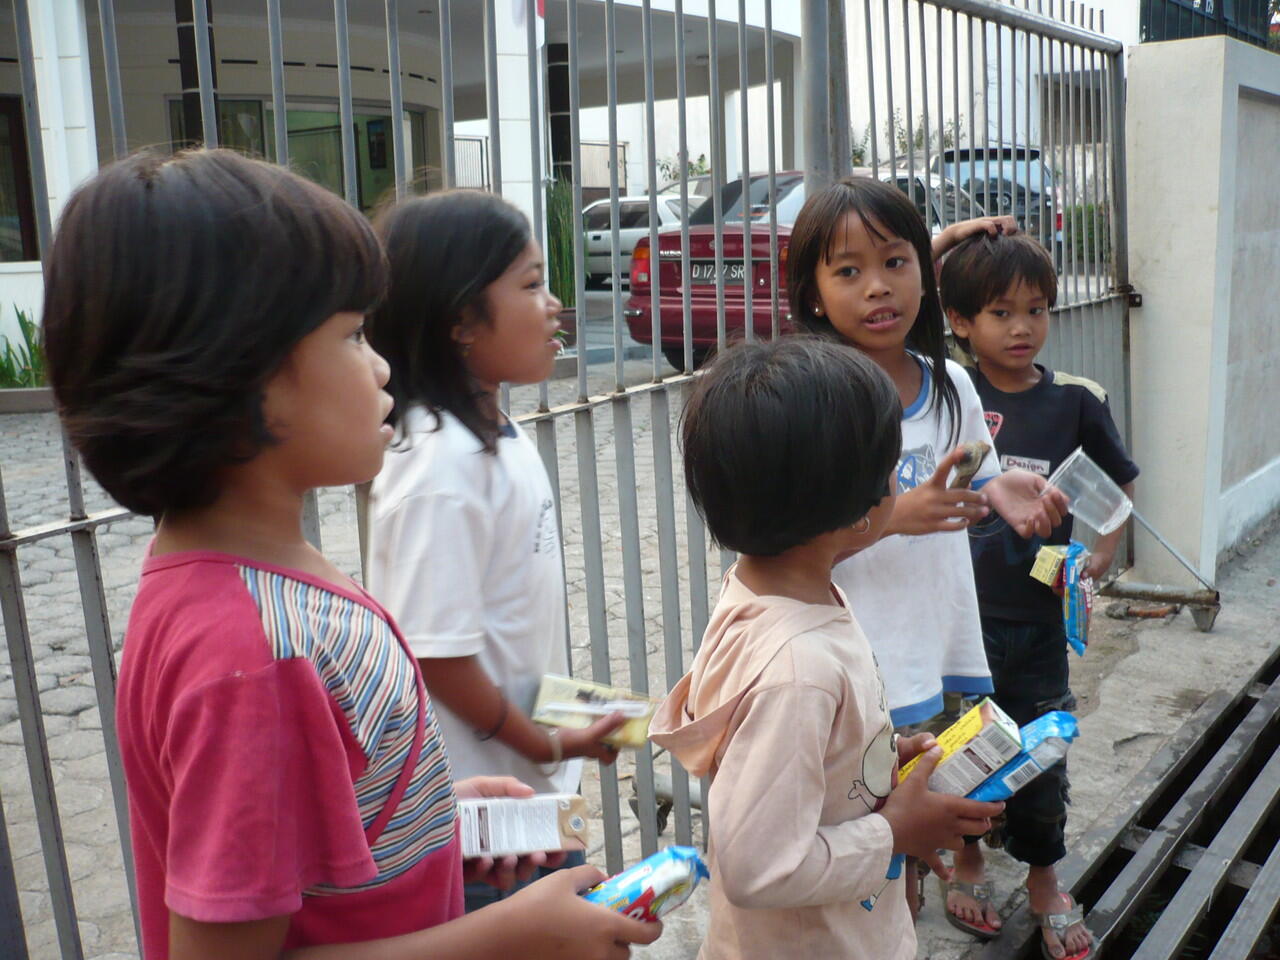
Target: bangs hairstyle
<point>983,268</point>
<point>887,213</point>
<point>786,440</point>
<point>175,288</point>
<point>444,251</point>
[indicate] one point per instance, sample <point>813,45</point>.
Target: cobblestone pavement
<point>35,490</point>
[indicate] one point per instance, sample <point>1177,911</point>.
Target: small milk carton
<point>973,748</point>
<point>510,826</point>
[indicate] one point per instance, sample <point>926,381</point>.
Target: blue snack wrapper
<point>653,887</point>
<point>1077,597</point>
<point>1044,742</point>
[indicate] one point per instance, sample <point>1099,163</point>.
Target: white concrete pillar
<point>520,177</point>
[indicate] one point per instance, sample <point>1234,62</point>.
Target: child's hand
<point>922,821</point>
<point>1027,503</point>
<point>503,872</point>
<point>957,232</point>
<point>911,747</point>
<point>1098,564</point>
<point>557,924</point>
<point>587,743</point>
<point>932,507</point>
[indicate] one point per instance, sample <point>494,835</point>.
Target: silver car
<point>633,223</point>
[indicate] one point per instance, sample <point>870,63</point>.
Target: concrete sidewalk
<point>1137,684</point>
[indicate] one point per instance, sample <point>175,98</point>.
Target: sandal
<point>1058,924</point>
<point>983,894</point>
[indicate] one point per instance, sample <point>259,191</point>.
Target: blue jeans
<point>482,895</point>
<point>1029,670</point>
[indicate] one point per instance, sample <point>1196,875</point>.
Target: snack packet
<point>1044,742</point>
<point>504,826</point>
<point>973,748</point>
<point>576,704</point>
<point>1077,597</point>
<point>653,887</point>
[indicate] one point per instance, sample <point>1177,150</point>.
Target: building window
<point>17,209</point>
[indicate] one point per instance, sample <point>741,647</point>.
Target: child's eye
<point>1036,311</point>
<point>1002,314</point>
<point>358,334</point>
<point>846,271</point>
<point>894,262</point>
<point>536,284</point>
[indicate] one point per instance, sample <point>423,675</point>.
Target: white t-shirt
<point>464,552</point>
<point>915,596</point>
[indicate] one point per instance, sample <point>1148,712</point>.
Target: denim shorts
<point>1029,670</point>
<point>482,895</point>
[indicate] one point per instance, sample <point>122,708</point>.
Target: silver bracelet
<point>557,751</point>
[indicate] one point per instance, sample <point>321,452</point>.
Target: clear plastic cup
<point>1094,498</point>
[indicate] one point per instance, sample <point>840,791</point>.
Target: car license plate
<point>705,271</point>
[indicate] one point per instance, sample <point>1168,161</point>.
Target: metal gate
<point>641,572</point>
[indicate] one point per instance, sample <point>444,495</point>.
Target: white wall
<point>1204,345</point>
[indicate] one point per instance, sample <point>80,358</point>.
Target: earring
<point>817,310</point>
<point>466,349</point>
<point>863,525</point>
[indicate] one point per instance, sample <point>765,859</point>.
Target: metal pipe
<point>716,113</point>
<point>686,301</point>
<point>279,112</point>
<point>892,121</point>
<point>774,306</point>
<point>1011,16</point>
<point>911,135</point>
<point>397,99</point>
<point>204,71</point>
<point>449,159</point>
<point>748,260</point>
<point>111,69</point>
<point>1159,593</point>
<point>615,228</point>
<point>874,135</point>
<point>651,149</point>
<point>492,105</point>
<point>346,114</point>
<point>814,54</point>
<point>575,157</point>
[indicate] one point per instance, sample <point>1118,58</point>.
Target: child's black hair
<point>787,440</point>
<point>175,288</point>
<point>983,268</point>
<point>444,250</point>
<point>884,210</point>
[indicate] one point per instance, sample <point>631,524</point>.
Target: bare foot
<point>970,868</point>
<point>1045,897</point>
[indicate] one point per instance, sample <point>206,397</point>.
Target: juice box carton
<point>510,826</point>
<point>576,704</point>
<point>973,748</point>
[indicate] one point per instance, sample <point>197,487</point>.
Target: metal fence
<point>1048,85</point>
<point>1247,20</point>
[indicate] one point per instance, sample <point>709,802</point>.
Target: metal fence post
<point>815,54</point>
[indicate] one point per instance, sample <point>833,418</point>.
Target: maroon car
<point>943,202</point>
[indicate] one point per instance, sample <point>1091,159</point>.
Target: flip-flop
<point>983,894</point>
<point>1058,924</point>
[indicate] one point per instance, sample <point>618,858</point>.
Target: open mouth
<point>881,319</point>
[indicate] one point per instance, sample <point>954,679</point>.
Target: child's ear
<point>958,322</point>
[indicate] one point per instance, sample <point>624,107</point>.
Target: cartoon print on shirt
<point>915,467</point>
<point>879,765</point>
<point>995,421</point>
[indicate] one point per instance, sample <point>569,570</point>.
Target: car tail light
<point>640,264</point>
<point>1057,220</point>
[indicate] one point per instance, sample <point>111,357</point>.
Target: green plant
<point>670,167</point>
<point>23,365</point>
<point>895,131</point>
<point>1087,232</point>
<point>563,221</point>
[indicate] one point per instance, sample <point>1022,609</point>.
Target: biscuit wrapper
<point>576,704</point>
<point>1045,741</point>
<point>1077,597</point>
<point>653,887</point>
<point>973,748</point>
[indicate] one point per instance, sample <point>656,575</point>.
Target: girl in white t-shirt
<point>464,548</point>
<point>860,267</point>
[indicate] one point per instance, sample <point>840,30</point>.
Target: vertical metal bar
<point>275,40</point>
<point>397,99</point>
<point>1000,121</point>
<point>491,97</point>
<point>686,301</point>
<point>973,109</point>
<point>1026,135</point>
<point>615,228</point>
<point>871,90</point>
<point>815,56</point>
<point>986,123</point>
<point>837,90</point>
<point>97,625</point>
<point>21,663</point>
<point>892,121</point>
<point>748,258</point>
<point>111,67</point>
<point>633,603</point>
<point>669,572</point>
<point>548,451</point>
<point>575,157</point>
<point>597,618</point>
<point>1052,97</point>
<point>1069,154</point>
<point>716,113</point>
<point>31,118</point>
<point>955,104</point>
<point>204,71</point>
<point>13,937</point>
<point>448,160</point>
<point>346,114</point>
<point>1098,153</point>
<point>651,149</point>
<point>774,306</point>
<point>947,217</point>
<point>536,174</point>
<point>1120,229</point>
<point>911,134</point>
<point>926,134</point>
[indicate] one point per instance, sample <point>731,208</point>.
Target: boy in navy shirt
<point>997,292</point>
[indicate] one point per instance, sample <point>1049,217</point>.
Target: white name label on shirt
<point>1010,462</point>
